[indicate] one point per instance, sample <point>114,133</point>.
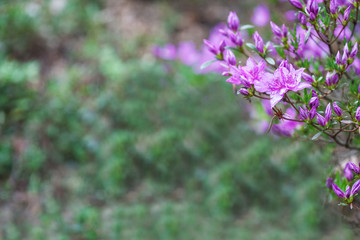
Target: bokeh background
<point>101,140</point>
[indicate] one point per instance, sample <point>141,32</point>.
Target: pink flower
<point>285,79</point>
<point>261,16</point>
<point>247,75</point>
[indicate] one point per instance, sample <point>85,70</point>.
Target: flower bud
<point>348,173</point>
<point>276,30</point>
<point>338,58</point>
<point>230,58</point>
<point>335,79</point>
<point>314,93</point>
<point>236,38</point>
<point>296,3</point>
<point>355,188</point>
<point>331,79</point>
<point>321,120</point>
<point>314,102</point>
<point>312,113</point>
<point>353,167</point>
<point>303,114</point>
<point>333,6</point>
<point>284,31</point>
<point>354,51</point>
<point>302,18</point>
<point>338,191</point>
<point>337,109</point>
<point>222,46</point>
<point>307,77</point>
<point>347,191</point>
<point>346,50</point>
<point>259,43</point>
<point>312,7</point>
<point>233,21</point>
<point>344,58</point>
<point>243,91</point>
<point>328,112</point>
<point>225,32</point>
<point>329,183</point>
<point>347,14</point>
<point>312,17</point>
<point>357,114</point>
<point>211,47</point>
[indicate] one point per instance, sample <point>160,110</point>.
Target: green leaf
<point>270,60</point>
<point>316,136</point>
<point>246,27</point>
<point>206,64</point>
<point>252,46</point>
<point>280,51</point>
<point>307,35</point>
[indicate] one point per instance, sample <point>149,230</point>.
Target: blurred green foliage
<point>114,148</point>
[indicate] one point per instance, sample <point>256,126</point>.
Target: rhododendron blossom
<point>285,79</point>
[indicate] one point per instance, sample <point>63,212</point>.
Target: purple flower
<point>296,3</point>
<point>355,188</point>
<point>331,79</point>
<point>307,77</point>
<point>314,102</point>
<point>230,57</point>
<point>354,51</point>
<point>353,167</point>
<point>303,115</point>
<point>357,114</point>
<point>333,6</point>
<point>285,127</point>
<point>314,93</point>
<point>236,38</point>
<point>321,120</point>
<point>276,30</point>
<point>328,112</point>
<point>347,14</point>
<point>302,18</point>
<point>259,43</point>
<point>312,7</point>
<point>233,21</point>
<point>312,17</point>
<point>261,16</point>
<point>312,113</point>
<point>244,91</point>
<point>346,50</point>
<point>249,74</point>
<point>284,31</point>
<point>187,53</point>
<point>344,58</point>
<point>348,173</point>
<point>213,49</point>
<point>338,191</point>
<point>285,78</point>
<point>348,193</point>
<point>337,109</point>
<point>329,183</point>
<point>290,15</point>
<point>168,52</point>
<point>338,58</point>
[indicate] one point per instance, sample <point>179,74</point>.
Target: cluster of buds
<point>347,58</point>
<point>352,184</point>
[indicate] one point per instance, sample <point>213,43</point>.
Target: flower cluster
<point>309,70</point>
<point>351,184</point>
